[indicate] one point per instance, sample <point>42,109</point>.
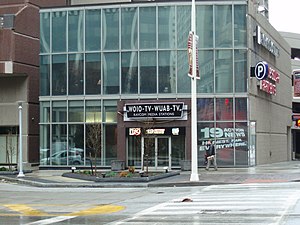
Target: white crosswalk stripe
<point>250,204</point>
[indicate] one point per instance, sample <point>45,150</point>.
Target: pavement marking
<point>26,210</point>
<point>51,220</point>
<point>100,209</point>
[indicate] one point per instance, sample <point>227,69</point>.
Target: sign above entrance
<point>140,111</point>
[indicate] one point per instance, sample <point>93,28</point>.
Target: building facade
<point>117,74</point>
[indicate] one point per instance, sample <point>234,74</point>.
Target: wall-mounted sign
<point>296,83</point>
<point>135,131</point>
<point>154,110</point>
<point>261,70</point>
<point>169,131</point>
<point>265,41</point>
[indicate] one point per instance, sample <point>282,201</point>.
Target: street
<point>262,203</point>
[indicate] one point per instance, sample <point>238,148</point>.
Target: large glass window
<point>110,143</point>
<point>76,74</point>
<point>224,109</point>
<point>241,109</point>
<point>147,27</point>
<point>75,30</point>
<point>183,80</point>
<point>240,70</point>
<point>134,151</point>
<point>148,78</point>
<point>92,74</point>
<point>240,26</point>
<point>206,131</point>
<point>205,26</point>
<point>92,26</point>
<point>205,109</point>
<point>166,27</point>
<point>110,112</point>
<point>93,112</point>
<point>223,25</point>
<point>76,111</point>
<point>241,144</point>
<point>206,65</point>
<point>45,32</point>
<point>111,73</point>
<point>59,28</point>
<point>59,74</point>
<point>76,145</point>
<point>167,71</point>
<point>110,29</point>
<point>59,155</point>
<point>94,147</point>
<point>129,28</point>
<point>129,72</point>
<point>59,111</point>
<point>44,75</point>
<point>224,71</point>
<point>183,25</point>
<point>45,112</point>
<point>45,145</point>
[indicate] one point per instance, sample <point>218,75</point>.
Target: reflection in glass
<point>167,71</point>
<point>59,31</point>
<point>59,154</point>
<point>94,151</point>
<point>111,73</point>
<point>240,70</point>
<point>147,26</point>
<point>166,27</point>
<point>183,80</point>
<point>44,75</point>
<point>110,152</point>
<point>45,145</point>
<point>44,112</point>
<point>241,144</point>
<point>206,131</point>
<point>224,71</point>
<point>75,30</point>
<point>205,109</point>
<point>76,145</point>
<point>129,73</point>
<point>205,26</point>
<point>45,32</point>
<point>75,74</point>
<point>111,27</point>
<point>59,75</point>
<point>59,111</point>
<point>223,24</point>
<point>148,79</point>
<point>92,26</point>
<point>224,109</point>
<point>93,112</point>
<point>92,74</point>
<point>110,111</point>
<point>134,151</point>
<point>206,65</point>
<point>183,25</point>
<point>240,26</point>
<point>241,109</point>
<point>76,111</point>
<point>129,28</point>
<point>178,150</point>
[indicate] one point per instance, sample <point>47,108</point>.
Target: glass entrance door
<point>156,152</point>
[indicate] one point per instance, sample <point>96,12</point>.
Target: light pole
<point>194,151</point>
<point>21,174</point>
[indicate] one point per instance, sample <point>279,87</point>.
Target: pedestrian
<point>211,155</point>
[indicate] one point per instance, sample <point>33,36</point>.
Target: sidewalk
<point>276,172</point>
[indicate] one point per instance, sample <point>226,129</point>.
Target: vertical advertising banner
<point>296,75</point>
<point>190,55</point>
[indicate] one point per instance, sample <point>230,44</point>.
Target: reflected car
<point>61,158</point>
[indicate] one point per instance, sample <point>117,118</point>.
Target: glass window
<point>93,112</point>
<point>45,32</point>
<point>204,27</point>
<point>59,27</point>
<point>147,27</point>
<point>110,112</point>
<point>44,75</point>
<point>45,145</point>
<point>240,26</point>
<point>167,71</point>
<point>92,26</point>
<point>93,74</point>
<point>111,27</point>
<point>206,66</point>
<point>59,155</point>
<point>178,150</point>
<point>76,74</point>
<point>223,27</point>
<point>183,80</point>
<point>76,111</point>
<point>134,151</point>
<point>183,26</point>
<point>111,73</point>
<point>241,109</point>
<point>224,71</point>
<point>129,28</point>
<point>59,111</point>
<point>206,131</point>
<point>166,27</point>
<point>110,152</point>
<point>76,145</point>
<point>93,144</point>
<point>205,109</point>
<point>129,73</point>
<point>224,109</point>
<point>148,78</point>
<point>59,74</point>
<point>45,112</point>
<point>240,70</point>
<point>241,144</point>
<point>75,30</point>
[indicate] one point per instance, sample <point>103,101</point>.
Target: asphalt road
<point>245,204</point>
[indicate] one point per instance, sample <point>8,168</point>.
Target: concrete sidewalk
<point>276,172</point>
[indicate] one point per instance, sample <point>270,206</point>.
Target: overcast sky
<point>284,15</point>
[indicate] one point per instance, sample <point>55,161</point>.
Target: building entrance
<point>156,152</point>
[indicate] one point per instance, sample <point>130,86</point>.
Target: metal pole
<point>21,174</point>
<point>194,151</point>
